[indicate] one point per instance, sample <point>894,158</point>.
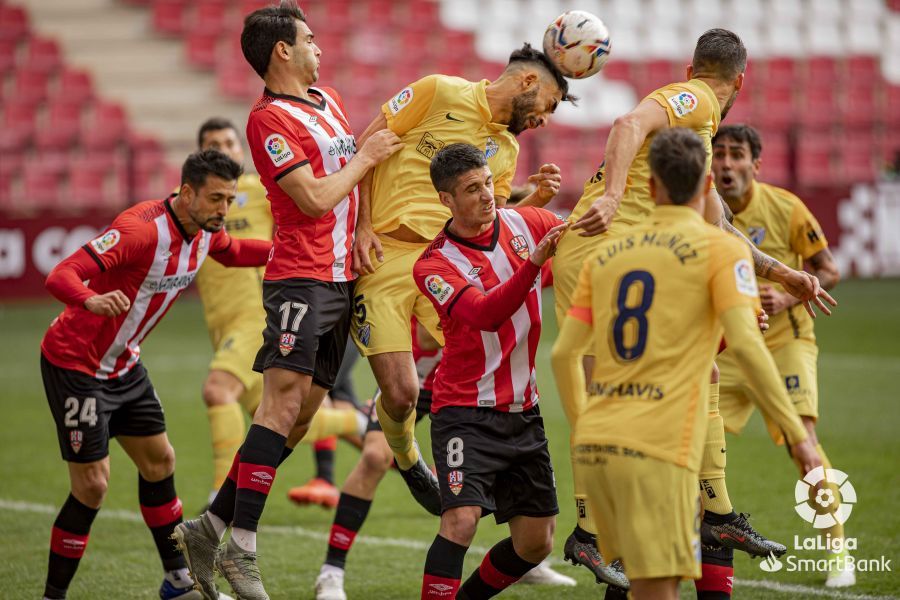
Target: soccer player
<point>306,154</point>
<point>400,215</point>
<point>97,386</point>
<point>482,275</point>
<point>233,309</point>
<point>618,197</point>
<point>781,225</point>
<point>653,302</point>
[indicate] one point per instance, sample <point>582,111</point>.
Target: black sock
<point>351,514</point>
<point>325,464</point>
<point>260,456</point>
<point>443,567</point>
<point>501,568</point>
<point>223,504</point>
<point>584,536</point>
<point>717,519</point>
<point>68,541</point>
<point>161,510</point>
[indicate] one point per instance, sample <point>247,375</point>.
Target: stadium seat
<point>891,110</point>
<point>9,50</point>
<point>42,56</point>
<point>13,22</point>
<point>18,126</point>
<point>30,86</point>
<point>818,107</point>
<point>774,109</point>
<point>73,86</point>
<point>61,128</point>
<point>208,17</point>
<point>42,188</point>
<point>106,127</point>
<point>201,49</point>
<point>168,16</point>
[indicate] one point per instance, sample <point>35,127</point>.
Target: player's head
<point>720,54</point>
<point>277,41</point>
<point>735,160</point>
<point>536,89</point>
<point>208,187</point>
<point>678,167</point>
<point>218,133</point>
<point>464,183</point>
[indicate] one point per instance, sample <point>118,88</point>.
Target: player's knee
<point>214,394</point>
<point>160,465</point>
<point>459,525</point>
<point>377,457</point>
<point>536,546</point>
<point>399,396</point>
<point>90,487</point>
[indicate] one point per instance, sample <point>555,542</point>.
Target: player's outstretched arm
<point>625,139</point>
<point>566,359</point>
<point>547,181</point>
<point>242,252</point>
<point>66,283</point>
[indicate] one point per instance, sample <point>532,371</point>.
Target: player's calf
<point>68,541</point>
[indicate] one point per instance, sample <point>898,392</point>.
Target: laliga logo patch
<point>683,104</point>
<point>520,246</point>
<point>278,149</point>
<point>106,241</point>
<point>757,235</point>
<point>745,278</point>
<point>455,481</point>
<point>286,343</point>
<point>75,438</point>
<point>491,148</point>
<point>401,100</point>
<point>440,289</point>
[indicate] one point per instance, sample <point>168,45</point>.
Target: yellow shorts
<point>796,362</point>
<point>386,300</point>
<point>236,345</point>
<point>647,511</point>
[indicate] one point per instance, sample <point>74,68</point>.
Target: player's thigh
<point>797,363</point>
<point>735,397</point>
<point>236,352</point>
<point>153,455</point>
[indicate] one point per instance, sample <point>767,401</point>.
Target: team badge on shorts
<point>364,333</point>
<point>286,343</point>
<point>455,480</point>
<point>520,246</point>
<point>75,437</point>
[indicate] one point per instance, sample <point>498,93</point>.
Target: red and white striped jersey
<point>286,133</point>
<point>480,367</point>
<point>146,254</point>
<point>427,361</point>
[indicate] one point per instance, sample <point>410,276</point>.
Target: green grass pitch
<point>859,370</point>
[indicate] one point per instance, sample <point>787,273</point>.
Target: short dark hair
<point>453,160</point>
<point>527,54</point>
<point>200,165</point>
<point>678,160</point>
<point>266,27</point>
<point>214,124</point>
<point>741,133</point>
<point>721,54</point>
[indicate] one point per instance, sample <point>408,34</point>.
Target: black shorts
<point>307,324</point>
<point>423,407</point>
<point>496,460</point>
<point>88,411</point>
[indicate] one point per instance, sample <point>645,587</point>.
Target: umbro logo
<point>262,478</point>
<point>440,587</point>
<point>73,544</point>
<point>341,538</point>
<point>262,475</point>
<point>452,118</point>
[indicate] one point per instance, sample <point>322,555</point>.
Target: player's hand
<point>805,454</point>
<point>546,181</point>
<point>806,288</point>
<point>598,217</point>
<point>380,146</point>
<point>773,301</point>
<point>762,320</point>
<point>110,304</point>
<point>546,248</point>
<point>365,242</point>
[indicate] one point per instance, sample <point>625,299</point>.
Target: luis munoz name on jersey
<point>660,239</point>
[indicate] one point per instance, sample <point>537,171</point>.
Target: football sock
<point>584,536</point>
<point>161,510</point>
<point>68,541</point>
<point>443,569</point>
<point>180,578</point>
<point>330,422</point>
<point>718,573</point>
<point>584,517</point>
<point>614,592</point>
<point>500,568</point>
<point>400,436</point>
<point>324,450</point>
<point>349,517</point>
<point>260,456</point>
<point>226,428</point>
<point>713,492</point>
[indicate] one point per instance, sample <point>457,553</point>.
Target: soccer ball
<point>578,43</point>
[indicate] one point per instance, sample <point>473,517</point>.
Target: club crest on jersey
<point>683,103</point>
<point>401,100</point>
<point>491,148</point>
<point>455,481</point>
<point>429,145</point>
<point>286,343</point>
<point>520,246</point>
<point>241,199</point>
<point>440,289</point>
<point>107,241</point>
<point>745,278</point>
<point>757,235</point>
<point>278,149</point>
<point>75,438</point>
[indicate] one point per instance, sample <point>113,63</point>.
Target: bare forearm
<point>364,217</point>
<point>623,144</point>
<point>316,196</point>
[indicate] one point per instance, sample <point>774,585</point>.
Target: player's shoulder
<point>686,96</point>
<point>721,243</point>
<point>327,93</point>
<point>261,106</point>
<point>779,196</point>
<point>532,214</point>
<point>142,214</point>
<point>432,252</point>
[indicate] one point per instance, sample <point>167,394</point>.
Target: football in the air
<point>578,42</point>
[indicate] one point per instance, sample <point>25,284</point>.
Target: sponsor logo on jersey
<point>107,241</point>
<point>455,481</point>
<point>429,145</point>
<point>745,278</point>
<point>262,478</point>
<point>344,145</point>
<point>174,282</point>
<point>683,103</point>
<point>520,246</point>
<point>286,343</point>
<point>757,235</point>
<point>491,148</point>
<point>401,100</point>
<point>75,439</point>
<point>278,149</point>
<point>440,289</point>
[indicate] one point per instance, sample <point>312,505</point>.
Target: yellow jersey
<point>229,291</point>
<point>779,224</point>
<point>690,104</point>
<point>653,297</point>
<point>427,115</point>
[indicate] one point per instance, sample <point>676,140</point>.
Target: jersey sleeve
<point>440,283</point>
<point>684,106</point>
<point>411,104</point>
<point>807,238</point>
<point>581,308</point>
<point>124,241</point>
<point>732,277</point>
<point>278,148</point>
<point>539,220</point>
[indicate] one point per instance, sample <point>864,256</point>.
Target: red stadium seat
<point>168,16</point>
<point>42,188</point>
<point>9,50</point>
<point>619,70</point>
<point>421,14</point>
<point>779,72</point>
<point>30,86</point>
<point>858,107</point>
<point>73,86</point>
<point>818,107</point>
<point>106,128</point>
<point>13,22</point>
<point>61,128</point>
<point>201,49</point>
<point>87,188</point>
<point>208,16</point>
<point>774,109</point>
<point>820,72</point>
<point>238,81</point>
<point>43,56</point>
<point>891,110</point>
<point>18,126</point>
<point>862,71</point>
